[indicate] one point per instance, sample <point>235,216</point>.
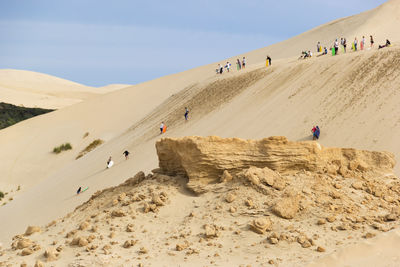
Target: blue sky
<point>96,42</point>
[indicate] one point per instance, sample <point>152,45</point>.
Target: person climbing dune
<point>126,154</point>
<point>315,132</point>
<point>161,127</point>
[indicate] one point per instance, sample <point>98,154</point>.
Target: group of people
<point>316,132</point>
<point>163,127</point>
<point>355,46</point>
<point>110,163</point>
<point>239,65</point>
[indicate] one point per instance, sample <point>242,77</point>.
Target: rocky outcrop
<point>205,159</point>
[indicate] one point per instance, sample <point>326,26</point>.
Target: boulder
<point>51,254</point>
<point>225,177</point>
<point>261,225</point>
<point>286,207</point>
<point>26,252</point>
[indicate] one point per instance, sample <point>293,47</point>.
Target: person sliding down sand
<point>385,45</point>
<point>186,113</point>
<point>79,190</point>
<point>110,163</point>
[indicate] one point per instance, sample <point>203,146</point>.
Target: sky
<point>97,42</point>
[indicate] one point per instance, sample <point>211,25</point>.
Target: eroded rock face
<point>204,159</point>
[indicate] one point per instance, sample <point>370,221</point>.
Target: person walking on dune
<point>162,127</point>
<point>244,63</point>
<point>371,40</point>
<point>126,154</point>
<point>186,113</point>
<point>344,44</point>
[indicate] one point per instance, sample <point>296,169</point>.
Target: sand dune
<point>33,89</point>
<point>352,97</point>
<point>112,87</point>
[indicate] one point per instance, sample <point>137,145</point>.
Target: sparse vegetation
<point>90,147</point>
<point>1,195</point>
<point>86,135</point>
<point>63,147</point>
<point>11,114</point>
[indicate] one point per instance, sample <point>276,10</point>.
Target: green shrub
<point>90,147</point>
<point>11,114</point>
<point>1,195</point>
<point>63,147</point>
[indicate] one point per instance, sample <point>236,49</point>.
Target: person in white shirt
<point>161,127</point>
<point>336,46</point>
<point>227,66</point>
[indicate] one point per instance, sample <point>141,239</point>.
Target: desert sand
<point>353,97</point>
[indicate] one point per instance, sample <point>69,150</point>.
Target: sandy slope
<point>33,89</point>
<point>350,96</point>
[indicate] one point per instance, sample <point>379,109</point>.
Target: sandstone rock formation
<point>204,159</point>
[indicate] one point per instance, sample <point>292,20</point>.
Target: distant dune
<point>33,89</point>
<point>353,97</point>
